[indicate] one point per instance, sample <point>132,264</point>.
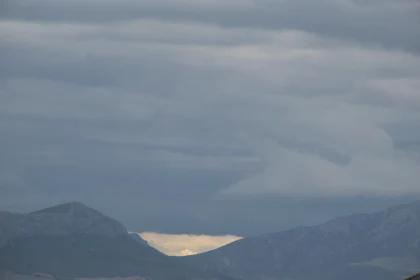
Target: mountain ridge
<point>68,218</point>
<point>72,207</point>
<point>74,241</point>
<point>354,245</point>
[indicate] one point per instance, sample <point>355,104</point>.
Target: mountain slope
<point>382,245</point>
<point>75,241</point>
<point>414,277</point>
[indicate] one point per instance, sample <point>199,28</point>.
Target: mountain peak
<point>70,208</point>
<point>73,218</point>
<point>72,241</point>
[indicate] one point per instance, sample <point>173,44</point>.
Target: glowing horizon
<point>186,244</point>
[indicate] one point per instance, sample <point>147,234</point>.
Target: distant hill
<point>380,246</point>
<point>74,241</point>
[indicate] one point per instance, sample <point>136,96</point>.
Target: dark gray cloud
<point>210,117</point>
<point>386,23</point>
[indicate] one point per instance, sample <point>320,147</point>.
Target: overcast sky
<point>210,116</point>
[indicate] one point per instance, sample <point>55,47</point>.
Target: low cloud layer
<point>209,108</point>
<point>184,244</point>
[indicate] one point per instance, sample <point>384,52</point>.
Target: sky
<point>186,244</point>
<point>233,117</point>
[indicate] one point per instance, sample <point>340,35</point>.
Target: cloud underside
<point>184,244</point>
<point>315,101</point>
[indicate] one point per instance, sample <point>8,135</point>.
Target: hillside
<point>75,241</point>
<point>378,246</point>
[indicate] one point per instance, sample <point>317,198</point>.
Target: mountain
<point>380,246</point>
<point>414,277</point>
<point>61,220</point>
<point>74,241</point>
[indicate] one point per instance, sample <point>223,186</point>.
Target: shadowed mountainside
<point>380,246</point>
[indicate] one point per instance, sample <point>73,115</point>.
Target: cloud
<point>211,95</point>
<point>185,244</point>
<point>372,22</point>
<point>187,252</point>
<point>296,173</point>
<point>197,104</point>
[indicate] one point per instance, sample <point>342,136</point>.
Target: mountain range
<point>74,241</point>
<point>378,246</point>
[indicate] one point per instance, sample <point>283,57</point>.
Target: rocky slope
<point>73,241</point>
<point>378,246</point>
